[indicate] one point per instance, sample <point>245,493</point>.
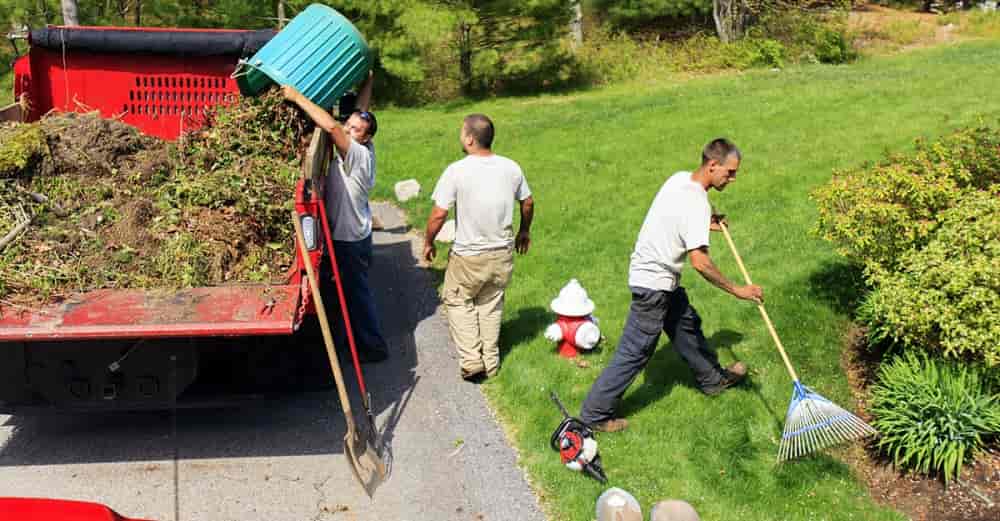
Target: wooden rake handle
<point>760,306</point>
<point>324,324</point>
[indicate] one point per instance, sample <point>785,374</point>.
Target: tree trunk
<point>281,14</point>
<point>576,25</point>
<point>70,12</point>
<point>465,57</point>
<point>138,13</point>
<point>730,19</point>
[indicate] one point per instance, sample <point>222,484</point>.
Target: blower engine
<point>575,443</point>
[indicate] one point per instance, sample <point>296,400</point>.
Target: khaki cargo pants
<point>473,297</point>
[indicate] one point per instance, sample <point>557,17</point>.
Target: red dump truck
<point>150,349</point>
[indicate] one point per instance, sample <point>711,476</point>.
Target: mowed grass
<point>594,161</point>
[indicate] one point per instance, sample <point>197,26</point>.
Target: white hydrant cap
<point>573,301</point>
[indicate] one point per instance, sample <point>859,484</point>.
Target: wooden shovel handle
<point>760,306</point>
<point>331,353</point>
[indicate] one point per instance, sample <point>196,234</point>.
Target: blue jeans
<point>652,311</point>
<point>354,258</point>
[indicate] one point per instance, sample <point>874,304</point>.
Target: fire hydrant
<point>575,328</point>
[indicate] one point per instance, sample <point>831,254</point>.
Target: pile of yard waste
<point>88,203</point>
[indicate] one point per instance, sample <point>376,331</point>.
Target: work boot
<point>732,375</point>
<point>612,425</point>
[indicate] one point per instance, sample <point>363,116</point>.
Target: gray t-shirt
<point>348,183</point>
<point>677,222</point>
<point>483,190</point>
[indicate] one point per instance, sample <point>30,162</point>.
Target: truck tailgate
<point>198,312</point>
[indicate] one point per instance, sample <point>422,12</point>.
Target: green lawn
<point>594,161</point>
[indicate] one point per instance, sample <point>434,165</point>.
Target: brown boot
<point>732,375</point>
<point>612,425</point>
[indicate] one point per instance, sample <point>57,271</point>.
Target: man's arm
<point>701,262</point>
<point>523,240</point>
<point>365,95</point>
<point>434,224</point>
<point>322,118</point>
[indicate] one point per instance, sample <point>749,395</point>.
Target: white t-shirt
<point>483,190</point>
<point>677,222</point>
<point>348,183</point>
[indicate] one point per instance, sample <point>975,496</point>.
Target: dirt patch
<point>975,497</point>
<point>90,145</point>
<point>108,207</point>
<point>881,29</point>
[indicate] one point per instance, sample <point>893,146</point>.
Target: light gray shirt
<point>677,222</point>
<point>483,190</point>
<point>348,184</point>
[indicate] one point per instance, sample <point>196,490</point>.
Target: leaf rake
<point>812,422</point>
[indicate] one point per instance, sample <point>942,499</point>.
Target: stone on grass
<point>406,190</point>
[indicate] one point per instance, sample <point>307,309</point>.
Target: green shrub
<point>873,215</point>
<point>946,296</point>
<point>809,37</point>
<point>933,416</point>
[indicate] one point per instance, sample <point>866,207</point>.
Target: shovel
<point>365,462</point>
<point>366,397</point>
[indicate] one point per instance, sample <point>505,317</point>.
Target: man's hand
<point>430,251</point>
<point>717,221</point>
<point>752,292</point>
<point>522,242</point>
<point>291,93</point>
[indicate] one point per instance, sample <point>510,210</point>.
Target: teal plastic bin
<point>319,52</point>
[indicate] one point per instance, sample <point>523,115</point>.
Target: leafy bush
<point>809,37</point>
<point>933,416</point>
<point>875,214</point>
<point>947,295</point>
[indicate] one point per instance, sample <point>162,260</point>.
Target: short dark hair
<point>368,117</point>
<point>719,149</point>
<point>480,128</point>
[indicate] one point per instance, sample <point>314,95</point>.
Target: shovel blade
<point>365,462</point>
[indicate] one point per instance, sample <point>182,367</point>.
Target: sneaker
<point>612,425</point>
<point>731,376</point>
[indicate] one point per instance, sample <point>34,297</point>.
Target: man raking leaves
<point>676,228</point>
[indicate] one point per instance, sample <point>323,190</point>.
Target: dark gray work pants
<point>651,312</point>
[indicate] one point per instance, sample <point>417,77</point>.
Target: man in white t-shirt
<point>483,188</point>
<point>676,228</point>
<point>348,184</point>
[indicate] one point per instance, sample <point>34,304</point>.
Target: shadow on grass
<point>526,324</point>
<point>839,284</point>
<point>665,370</point>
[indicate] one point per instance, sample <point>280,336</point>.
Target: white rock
<point>447,233</point>
<point>406,190</point>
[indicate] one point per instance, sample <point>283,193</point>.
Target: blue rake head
<point>813,423</point>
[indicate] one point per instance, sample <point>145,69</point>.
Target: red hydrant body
<point>569,326</point>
